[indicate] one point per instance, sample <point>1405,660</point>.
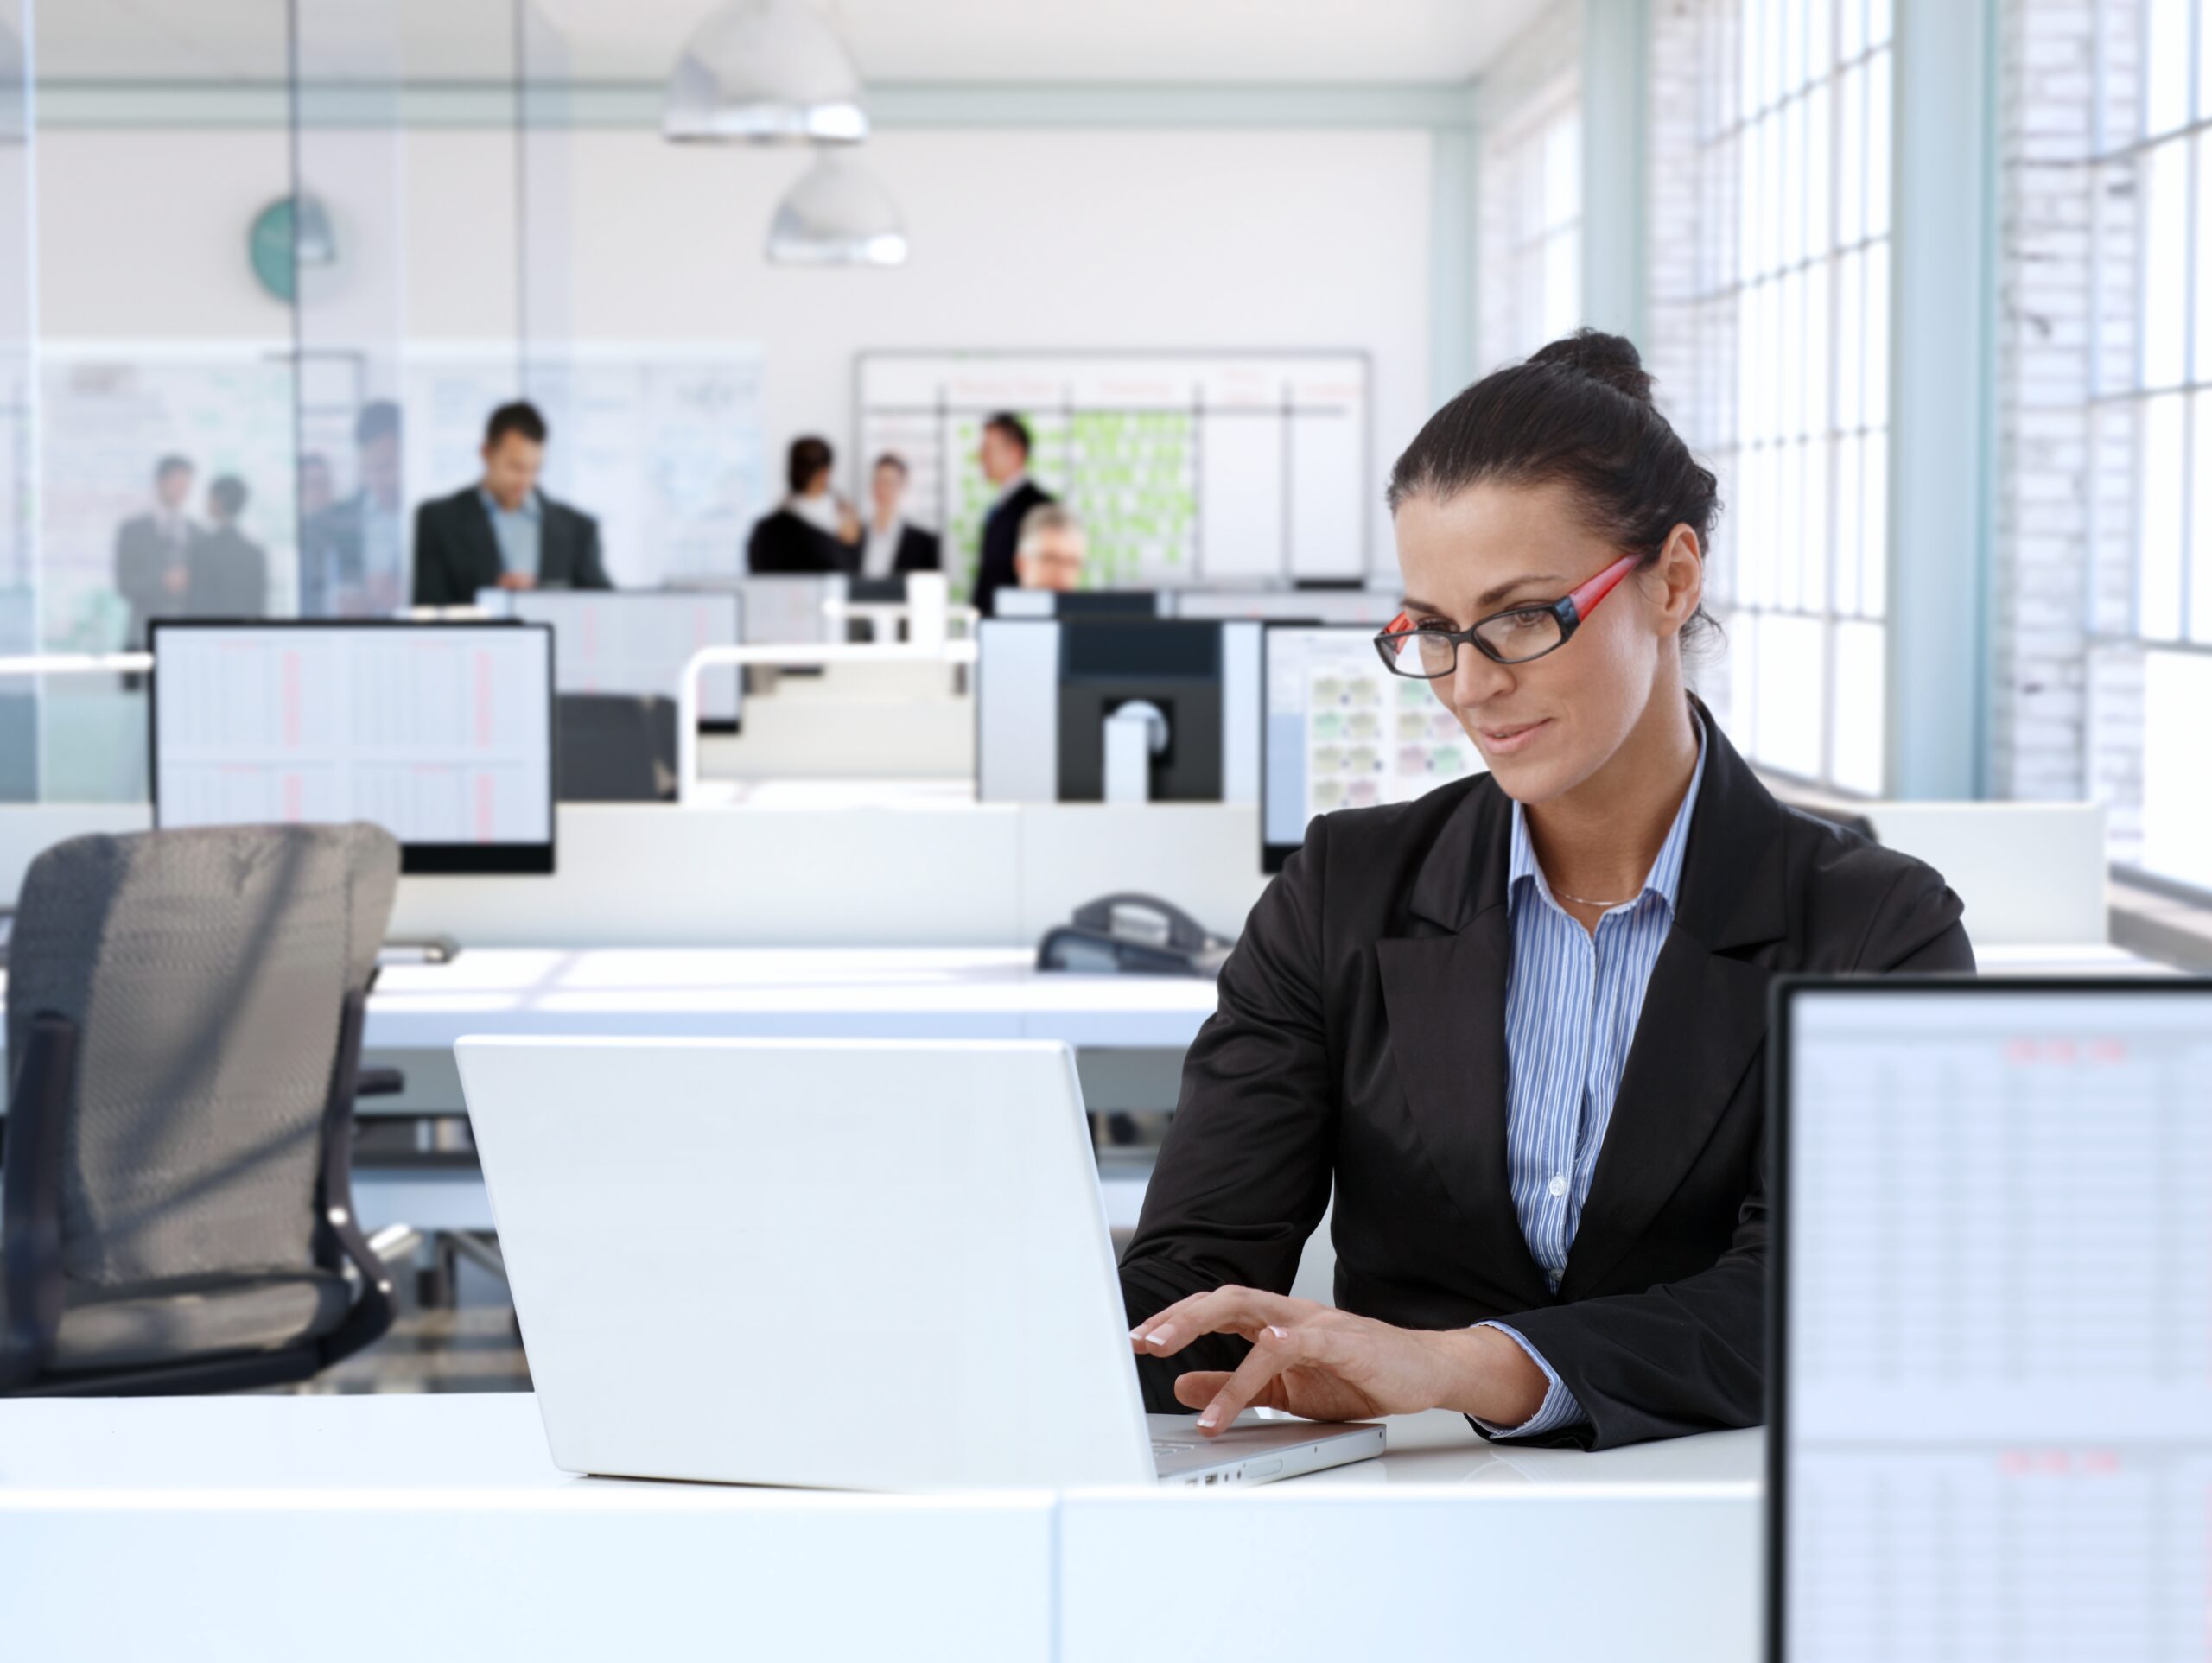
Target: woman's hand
<point>1326,1364</point>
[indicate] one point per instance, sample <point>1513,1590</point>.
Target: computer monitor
<point>1082,603</point>
<point>1342,731</point>
<point>1045,688</point>
<point>636,641</point>
<point>441,733</point>
<point>1990,1389</point>
<point>779,609</point>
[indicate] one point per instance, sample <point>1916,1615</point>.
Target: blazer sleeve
<point>1243,1175</point>
<point>591,571</point>
<point>1690,1356</point>
<point>433,577</point>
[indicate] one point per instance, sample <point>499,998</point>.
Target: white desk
<point>381,1527</point>
<point>798,993</point>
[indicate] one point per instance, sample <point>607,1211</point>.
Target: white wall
<point>1037,238</point>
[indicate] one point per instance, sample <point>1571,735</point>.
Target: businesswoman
<point>1518,1022</point>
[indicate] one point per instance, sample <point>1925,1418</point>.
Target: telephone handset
<point>1132,933</point>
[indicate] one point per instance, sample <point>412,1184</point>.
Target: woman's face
<point>1546,726</point>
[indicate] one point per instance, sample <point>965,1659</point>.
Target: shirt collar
<point>1665,878</point>
<point>1011,486</point>
<point>528,510</point>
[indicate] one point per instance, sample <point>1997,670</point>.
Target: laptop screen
<point>1993,1431</point>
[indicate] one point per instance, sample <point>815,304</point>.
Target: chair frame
<point>30,1236</point>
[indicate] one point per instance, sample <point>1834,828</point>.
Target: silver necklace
<point>1579,900</point>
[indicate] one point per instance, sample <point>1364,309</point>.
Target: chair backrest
<point>207,972</point>
<point>616,748</point>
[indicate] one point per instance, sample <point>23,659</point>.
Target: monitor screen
<point>635,641</point>
<point>1992,1432</point>
<point>441,733</point>
<point>1341,732</point>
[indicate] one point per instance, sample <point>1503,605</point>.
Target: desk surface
<point>459,1449</point>
<point>246,1522</point>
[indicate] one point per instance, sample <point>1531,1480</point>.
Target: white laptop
<point>856,1265</point>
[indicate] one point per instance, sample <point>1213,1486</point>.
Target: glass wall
<point>1787,356</point>
<point>2150,401</point>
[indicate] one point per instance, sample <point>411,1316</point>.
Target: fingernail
<point>1280,1333</point>
<point>1158,1337</point>
<point>1207,1420</point>
<point>1137,1333</point>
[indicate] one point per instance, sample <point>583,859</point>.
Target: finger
<point>1198,1387</point>
<point>1225,1311</point>
<point>1275,1350</point>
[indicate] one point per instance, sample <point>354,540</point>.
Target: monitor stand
<point>1133,735</point>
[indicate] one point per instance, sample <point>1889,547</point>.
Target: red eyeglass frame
<point>1570,609</point>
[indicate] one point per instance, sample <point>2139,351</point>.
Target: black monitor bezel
<point>1780,995</point>
<point>1274,856</point>
<point>416,859</point>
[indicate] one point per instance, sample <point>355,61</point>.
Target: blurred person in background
<point>227,572</point>
<point>350,553</point>
<point>1049,552</point>
<point>893,545</point>
<point>150,573</point>
<point>503,532</point>
<point>1003,454</point>
<point>813,528</point>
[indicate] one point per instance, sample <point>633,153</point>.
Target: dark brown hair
<point>809,457</point>
<point>521,417</point>
<point>1578,413</point>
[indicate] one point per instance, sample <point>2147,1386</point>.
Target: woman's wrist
<point>1489,1376</point>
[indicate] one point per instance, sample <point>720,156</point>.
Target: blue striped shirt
<point>1572,1000</point>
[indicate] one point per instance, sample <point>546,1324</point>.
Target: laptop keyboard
<point>1161,1447</point>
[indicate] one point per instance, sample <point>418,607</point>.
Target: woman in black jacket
<point>1517,1023</point>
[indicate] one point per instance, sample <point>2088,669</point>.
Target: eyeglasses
<point>1429,652</point>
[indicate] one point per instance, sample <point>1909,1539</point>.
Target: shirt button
<point>1557,1186</point>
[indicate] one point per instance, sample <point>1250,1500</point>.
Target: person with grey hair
<point>1048,553</point>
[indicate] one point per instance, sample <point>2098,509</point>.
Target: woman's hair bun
<point>1597,356</point>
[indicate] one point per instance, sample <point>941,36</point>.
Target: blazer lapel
<point>1704,1015</point>
<point>1446,997</point>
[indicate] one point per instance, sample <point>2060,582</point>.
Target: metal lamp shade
<point>838,213</point>
<point>765,71</point>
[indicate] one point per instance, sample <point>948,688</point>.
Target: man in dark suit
<point>1004,454</point>
<point>227,572</point>
<point>894,547</point>
<point>504,533</point>
<point>151,573</point>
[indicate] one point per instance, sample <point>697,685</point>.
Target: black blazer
<point>457,553</point>
<point>1361,1038</point>
<point>918,550</point>
<point>785,541</point>
<point>1001,531</point>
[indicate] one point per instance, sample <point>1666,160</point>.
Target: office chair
<point>616,748</point>
<point>184,1015</point>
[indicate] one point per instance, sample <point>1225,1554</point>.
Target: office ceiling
<point>1025,40</point>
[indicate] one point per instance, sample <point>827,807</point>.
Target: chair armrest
<point>379,1083</point>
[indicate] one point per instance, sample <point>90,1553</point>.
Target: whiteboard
<point>1186,467</point>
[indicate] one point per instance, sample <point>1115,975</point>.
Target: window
<point>2150,422</point>
<point>1788,316</point>
<point>1533,164</point>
